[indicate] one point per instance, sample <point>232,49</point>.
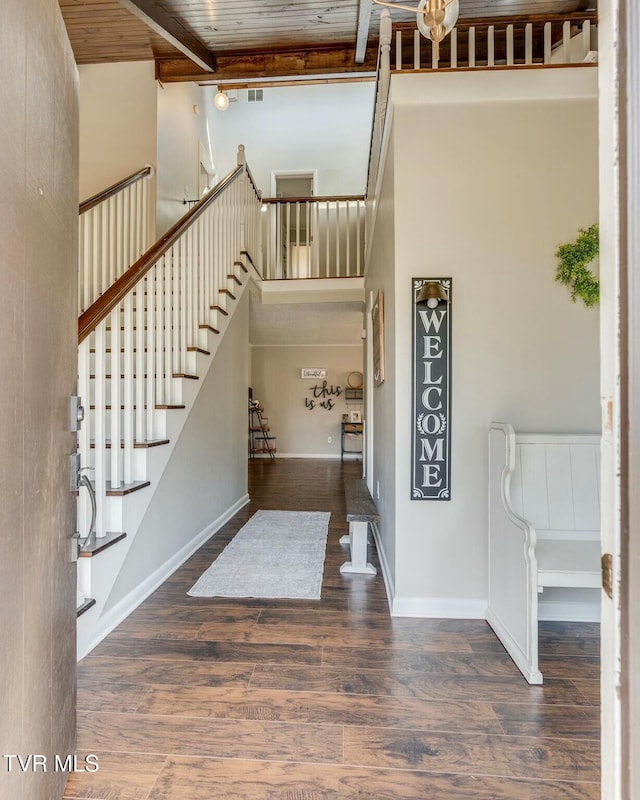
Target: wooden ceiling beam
<point>362,35</point>
<point>171,30</point>
<point>246,65</point>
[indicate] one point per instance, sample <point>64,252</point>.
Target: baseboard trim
<point>332,456</point>
<point>130,602</point>
<point>557,611</point>
<point>439,607</point>
<point>384,565</point>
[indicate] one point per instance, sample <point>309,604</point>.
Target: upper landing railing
<point>502,42</point>
<point>492,43</point>
<point>313,237</point>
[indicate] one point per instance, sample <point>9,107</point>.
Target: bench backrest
<point>556,484</point>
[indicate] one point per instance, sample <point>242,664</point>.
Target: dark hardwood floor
<point>208,699</point>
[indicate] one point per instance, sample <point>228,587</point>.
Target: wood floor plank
<point>110,696</point>
<point>500,756</point>
<point>193,779</point>
<point>589,689</point>
<point>445,663</point>
<point>124,776</point>
<point>222,738</point>
<point>522,719</point>
<point>310,707</point>
<point>181,650</point>
<point>150,671</point>
<point>580,667</point>
<point>396,683</point>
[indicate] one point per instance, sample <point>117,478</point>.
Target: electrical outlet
<point>329,439</point>
<point>377,490</point>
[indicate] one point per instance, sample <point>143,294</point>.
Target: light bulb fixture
<point>221,100</point>
<point>432,293</point>
<point>435,18</point>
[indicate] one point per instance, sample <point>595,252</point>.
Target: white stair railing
<point>139,339</point>
<point>113,233</point>
<point>313,237</point>
<point>517,42</point>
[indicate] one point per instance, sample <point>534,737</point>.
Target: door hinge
<point>607,574</point>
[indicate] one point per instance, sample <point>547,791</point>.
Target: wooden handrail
<point>118,290</point>
<point>337,198</point>
<point>511,19</point>
<point>105,194</point>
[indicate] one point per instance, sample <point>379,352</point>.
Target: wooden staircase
<point>146,341</point>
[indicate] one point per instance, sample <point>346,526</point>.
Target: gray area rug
<point>277,554</point>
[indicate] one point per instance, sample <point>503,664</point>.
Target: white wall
<point>276,383</point>
<point>207,472</point>
<point>509,181</point>
<point>183,139</point>
<point>118,122</point>
<point>323,127</point>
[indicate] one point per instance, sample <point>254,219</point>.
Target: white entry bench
<point>544,529</point>
<point>361,511</point>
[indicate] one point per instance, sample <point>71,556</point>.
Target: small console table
<point>353,428</point>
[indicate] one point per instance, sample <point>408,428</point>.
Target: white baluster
<point>316,239</point>
<point>491,46</point>
<point>358,235</point>
<point>398,47</point>
<point>547,43</point>
<point>528,44</point>
<point>167,265</point>
<point>509,45</point>
<point>416,49</point>
<point>471,33</point>
<point>128,390</point>
<point>338,239</point>
<point>114,396</point>
<point>586,38</point>
<point>566,42</point>
<point>348,239</point>
<point>140,301</point>
<point>99,403</point>
<point>454,48</point>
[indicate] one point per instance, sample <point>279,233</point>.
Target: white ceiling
<point>305,323</point>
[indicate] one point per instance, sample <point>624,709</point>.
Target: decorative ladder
<point>260,441</point>
<point>142,330</point>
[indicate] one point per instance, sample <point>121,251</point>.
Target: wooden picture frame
<point>377,318</point>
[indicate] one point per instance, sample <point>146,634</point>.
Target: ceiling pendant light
<point>435,18</point>
<point>221,100</point>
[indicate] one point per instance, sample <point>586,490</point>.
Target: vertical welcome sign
<point>431,417</point>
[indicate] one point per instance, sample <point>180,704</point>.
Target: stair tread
<point>235,278</point>
<point>241,265</point>
<point>96,545</point>
<point>161,407</point>
<point>220,309</point>
<point>200,349</point>
<point>204,326</point>
<point>88,603</point>
<point>138,445</point>
<point>126,488</point>
<point>228,292</point>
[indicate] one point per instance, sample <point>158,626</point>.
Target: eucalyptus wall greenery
<point>573,266</point>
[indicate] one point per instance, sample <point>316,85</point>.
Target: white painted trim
<point>131,601</point>
<point>519,657</point>
<point>332,456</point>
<point>440,607</point>
<point>557,610</point>
<point>323,346</point>
<point>384,564</point>
<point>486,86</point>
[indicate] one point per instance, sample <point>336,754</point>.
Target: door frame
<point>619,123</point>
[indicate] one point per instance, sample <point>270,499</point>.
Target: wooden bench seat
<point>361,510</point>
<point>544,530</point>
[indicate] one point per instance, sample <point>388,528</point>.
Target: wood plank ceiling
<point>218,40</point>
